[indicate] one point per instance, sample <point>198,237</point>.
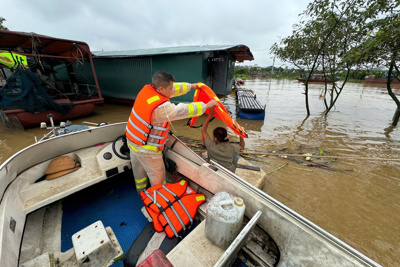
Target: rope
<point>35,52</point>
<point>319,156</point>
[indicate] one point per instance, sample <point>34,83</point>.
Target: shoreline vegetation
<point>246,73</point>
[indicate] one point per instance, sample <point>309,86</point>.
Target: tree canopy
<point>335,36</point>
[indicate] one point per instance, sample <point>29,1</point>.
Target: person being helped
<point>219,149</point>
<point>148,125</point>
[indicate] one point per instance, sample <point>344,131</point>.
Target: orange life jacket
<point>205,94</point>
<point>172,206</point>
<point>139,125</point>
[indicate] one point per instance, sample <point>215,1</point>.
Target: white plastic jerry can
<point>224,218</point>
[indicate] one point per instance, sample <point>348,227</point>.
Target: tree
<point>318,42</point>
<point>1,24</point>
<point>241,70</point>
<point>336,35</point>
<point>381,43</point>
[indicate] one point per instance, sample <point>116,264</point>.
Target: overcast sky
<point>140,24</point>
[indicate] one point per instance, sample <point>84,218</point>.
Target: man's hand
<point>198,85</point>
<point>212,103</point>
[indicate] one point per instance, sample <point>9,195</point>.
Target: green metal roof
<point>241,52</point>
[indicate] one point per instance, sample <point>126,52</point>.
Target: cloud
<point>140,24</point>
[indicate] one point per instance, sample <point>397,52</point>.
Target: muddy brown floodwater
<point>355,197</point>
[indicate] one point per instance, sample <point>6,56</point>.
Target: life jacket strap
<point>170,205</point>
<point>147,124</point>
<point>144,142</point>
<point>180,203</point>
<point>162,211</point>
<point>136,137</point>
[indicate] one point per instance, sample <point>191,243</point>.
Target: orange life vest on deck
<point>172,206</point>
<point>205,94</point>
<point>139,125</point>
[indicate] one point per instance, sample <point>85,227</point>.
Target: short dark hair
<point>221,134</point>
<point>162,78</point>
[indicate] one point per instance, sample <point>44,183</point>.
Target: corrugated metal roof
<point>241,52</point>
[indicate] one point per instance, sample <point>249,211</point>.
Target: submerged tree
<point>336,35</point>
<point>318,43</point>
<point>381,43</point>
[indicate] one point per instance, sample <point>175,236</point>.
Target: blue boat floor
<point>114,201</point>
<point>117,204</point>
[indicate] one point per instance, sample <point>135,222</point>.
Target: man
<point>148,125</point>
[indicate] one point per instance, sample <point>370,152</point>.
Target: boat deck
<point>53,219</point>
<point>248,107</point>
<point>248,102</point>
<point>116,203</point>
<point>32,210</point>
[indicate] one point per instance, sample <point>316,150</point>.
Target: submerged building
<point>122,74</point>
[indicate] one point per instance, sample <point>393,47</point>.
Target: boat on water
<point>65,127</point>
<point>41,75</point>
<point>237,83</point>
<point>383,79</point>
<point>248,106</point>
<point>316,78</point>
<point>92,216</point>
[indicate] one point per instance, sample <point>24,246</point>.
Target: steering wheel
<point>124,149</point>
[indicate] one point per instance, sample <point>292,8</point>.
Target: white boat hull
<point>300,242</point>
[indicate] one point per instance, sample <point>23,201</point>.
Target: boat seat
<point>96,245</point>
<point>94,169</point>
<point>199,250</point>
<point>203,253</point>
<point>86,246</point>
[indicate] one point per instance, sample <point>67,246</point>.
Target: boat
<point>92,216</point>
<point>248,106</point>
<point>316,78</point>
<point>65,128</point>
<point>44,75</point>
<point>237,83</point>
<point>383,79</point>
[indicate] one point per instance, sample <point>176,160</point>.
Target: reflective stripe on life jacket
<point>205,94</point>
<point>139,124</point>
<point>171,206</point>
<point>193,201</point>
